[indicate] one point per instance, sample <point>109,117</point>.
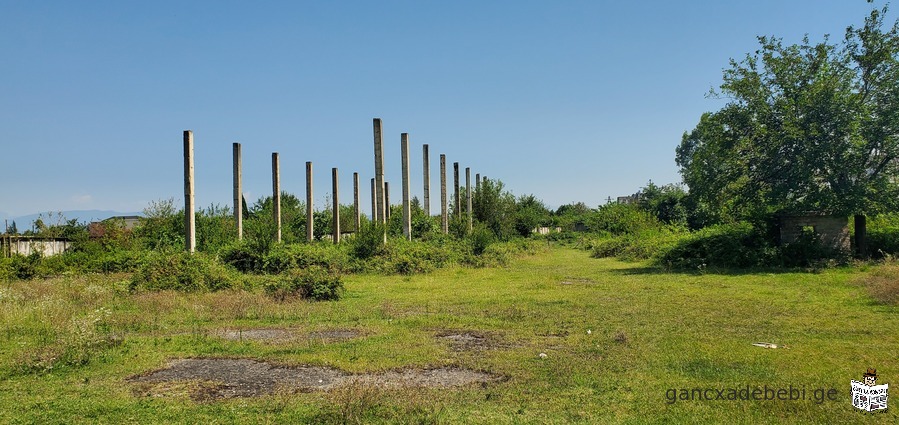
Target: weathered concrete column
<point>335,225</point>
<point>444,220</point>
<point>468,195</point>
<point>190,223</point>
<point>426,179</point>
<point>356,209</point>
<point>477,188</point>
<point>310,211</point>
<point>238,190</point>
<point>386,203</point>
<point>456,196</point>
<point>407,209</point>
<point>276,195</point>
<point>374,204</point>
<point>379,172</point>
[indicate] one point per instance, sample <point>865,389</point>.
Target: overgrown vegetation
<point>153,250</point>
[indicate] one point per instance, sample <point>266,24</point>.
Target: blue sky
<point>570,101</point>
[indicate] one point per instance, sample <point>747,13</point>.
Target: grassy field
<point>616,338</point>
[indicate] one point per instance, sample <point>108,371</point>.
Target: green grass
<point>67,345</point>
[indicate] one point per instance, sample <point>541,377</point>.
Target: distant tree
<point>530,213</point>
<point>809,127</point>
<point>665,202</point>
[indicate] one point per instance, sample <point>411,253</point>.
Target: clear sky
<point>568,100</point>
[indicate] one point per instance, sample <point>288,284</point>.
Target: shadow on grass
<point>714,271</point>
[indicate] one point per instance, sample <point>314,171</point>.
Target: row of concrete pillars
<point>379,189</point>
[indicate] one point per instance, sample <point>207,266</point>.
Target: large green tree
<point>808,127</point>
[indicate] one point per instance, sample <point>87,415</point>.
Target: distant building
<point>97,229</point>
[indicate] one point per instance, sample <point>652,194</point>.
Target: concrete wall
<point>25,245</point>
<point>833,231</point>
<point>547,230</point>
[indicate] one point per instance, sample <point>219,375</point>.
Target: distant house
<point>97,229</point>
<point>630,199</point>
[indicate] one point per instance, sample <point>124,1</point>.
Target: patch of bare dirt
<point>578,280</point>
<point>277,335</point>
<point>468,340</point>
<point>210,378</point>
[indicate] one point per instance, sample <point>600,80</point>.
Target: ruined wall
<point>833,231</point>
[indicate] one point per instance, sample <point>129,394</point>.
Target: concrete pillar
<point>407,209</point>
<point>336,207</point>
<point>356,209</point>
<point>310,211</point>
<point>374,204</point>
<point>379,172</point>
<point>386,202</point>
<point>276,195</point>
<point>456,196</point>
<point>477,188</point>
<point>427,180</point>
<point>444,220</point>
<point>468,195</point>
<point>238,190</point>
<point>190,223</point>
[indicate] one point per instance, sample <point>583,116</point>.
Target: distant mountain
<point>83,216</point>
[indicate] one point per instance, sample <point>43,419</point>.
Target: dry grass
<point>883,283</point>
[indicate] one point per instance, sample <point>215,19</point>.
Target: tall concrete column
<point>426,179</point>
<point>386,202</point>
<point>190,223</point>
<point>356,208</point>
<point>238,190</point>
<point>444,220</point>
<point>276,195</point>
<point>379,172</point>
<point>456,195</point>
<point>310,211</point>
<point>336,206</point>
<point>407,209</point>
<point>477,188</point>
<point>374,204</point>
<point>468,196</point>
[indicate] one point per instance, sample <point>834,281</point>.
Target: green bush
<point>727,245</point>
<point>480,238</point>
<point>883,235</point>
<point>313,282</point>
<point>644,244</point>
<point>368,241</point>
<point>619,219</point>
<point>183,272</point>
<point>323,254</point>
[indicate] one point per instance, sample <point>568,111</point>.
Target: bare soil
<point>215,378</point>
<point>278,335</point>
<point>468,340</point>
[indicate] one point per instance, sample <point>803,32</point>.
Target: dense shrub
<point>644,244</point>
<point>313,282</point>
<point>480,238</point>
<point>619,219</point>
<point>323,254</point>
<point>184,272</point>
<point>883,235</point>
<point>727,245</point>
<point>368,241</point>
